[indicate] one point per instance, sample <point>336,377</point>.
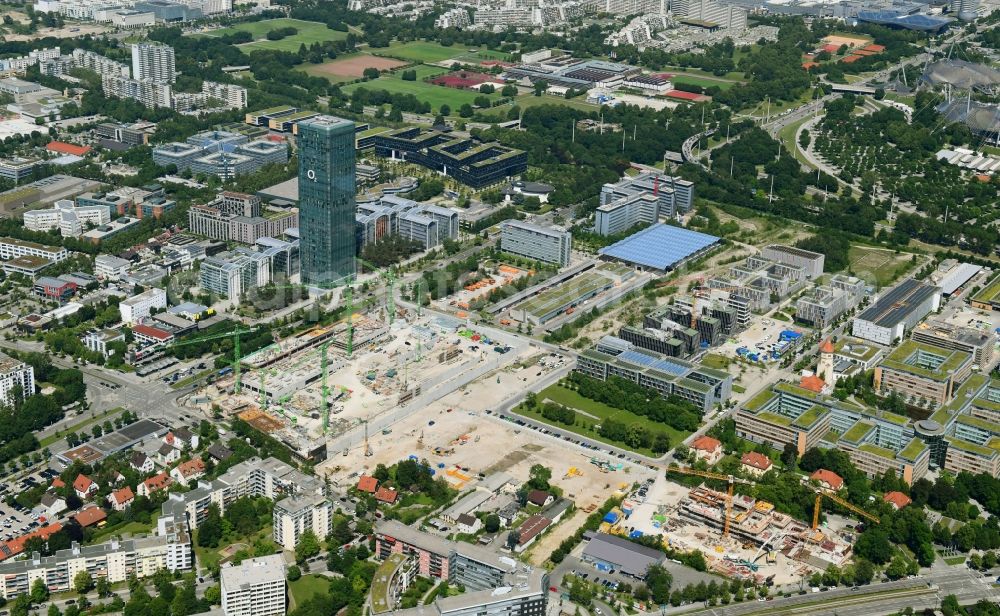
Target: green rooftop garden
<point>878,451</point>
<point>380,583</point>
<point>858,431</point>
<point>913,449</point>
<point>774,418</point>
<point>759,400</point>
<point>979,450</point>
<point>810,417</point>
<point>901,359</point>
<point>983,424</point>
<point>989,293</point>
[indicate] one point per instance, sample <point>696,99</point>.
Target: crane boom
<point>729,479</point>
<point>820,493</point>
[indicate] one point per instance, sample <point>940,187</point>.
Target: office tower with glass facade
<point>326,200</point>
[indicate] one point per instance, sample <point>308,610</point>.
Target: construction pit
<point>392,371</point>
<point>763,545</point>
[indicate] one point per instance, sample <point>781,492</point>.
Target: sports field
<point>349,68</point>
<point>420,51</point>
<point>704,82</point>
<point>434,95</point>
<point>309,32</point>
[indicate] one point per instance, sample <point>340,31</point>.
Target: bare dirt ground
<point>355,67</point>
<point>68,31</point>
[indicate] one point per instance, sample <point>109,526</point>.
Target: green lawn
<point>433,94</point>
<point>569,398</point>
<point>704,82</point>
<point>714,360</point>
<point>420,51</point>
<point>787,136</point>
<point>878,266</point>
<point>525,101</point>
<point>309,32</point>
<point>83,426</point>
<point>129,528</point>
<point>306,587</point>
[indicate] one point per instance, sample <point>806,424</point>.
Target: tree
<point>659,581</point>
<point>39,591</point>
<point>213,595</point>
<point>466,111</point>
<point>445,110</point>
<point>103,587</point>
<point>210,531</point>
<point>874,545</point>
<point>540,87</point>
<point>513,537</point>
<point>864,571</point>
<point>83,582</point>
<point>492,523</point>
<point>789,455</point>
<point>896,569</point>
<point>294,573</point>
<point>372,73</point>
<point>341,533</point>
<point>539,477</point>
<point>307,547</point>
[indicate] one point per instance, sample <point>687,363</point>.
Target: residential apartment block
<point>820,306</point>
<point>255,587</point>
<point>298,513</point>
<point>811,262</point>
<point>115,560</point>
<point>138,307</point>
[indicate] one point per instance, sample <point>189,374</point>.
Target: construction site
<point>309,389</point>
<point>754,541</point>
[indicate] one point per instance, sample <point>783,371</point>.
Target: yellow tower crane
<point>821,493</point>
<point>730,481</point>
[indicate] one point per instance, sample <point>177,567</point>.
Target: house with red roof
<point>58,483</point>
<point>898,500</point>
<point>707,448</point>
<point>755,463</point>
<point>813,383</point>
<point>367,484</point>
<point>147,335</point>
<point>91,516</point>
<point>827,479</point>
<point>160,481</point>
<point>386,495</point>
<point>120,500</point>
<point>189,471</point>
<point>84,486</point>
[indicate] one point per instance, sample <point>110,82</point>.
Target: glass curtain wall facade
<point>326,200</point>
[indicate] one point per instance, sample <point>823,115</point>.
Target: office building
<point>702,386</point>
<point>642,199</point>
<point>820,306</point>
<point>876,441</point>
<point>110,267</point>
<point>17,168</point>
<point>470,162</point>
<point>547,244</point>
<point>140,306</point>
<point>154,62</point>
<point>71,219</point>
<point>392,215</point>
<point>298,513</point>
<point>137,133</point>
<point>326,200</point>
<point>220,153</point>
<point>896,311</point>
<point>231,274</point>
<point>811,262</point>
<point>12,248</point>
<point>922,373</point>
<point>14,373</point>
<point>255,587</point>
<point>968,339</point>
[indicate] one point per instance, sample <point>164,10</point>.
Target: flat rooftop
<point>660,246</point>
<point>896,304</point>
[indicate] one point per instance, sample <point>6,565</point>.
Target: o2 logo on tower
<point>311,174</point>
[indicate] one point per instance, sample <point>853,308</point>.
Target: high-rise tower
<point>327,237</point>
<point>153,61</point>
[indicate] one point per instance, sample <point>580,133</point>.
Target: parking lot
<point>14,519</point>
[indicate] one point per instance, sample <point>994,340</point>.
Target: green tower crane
<point>237,356</point>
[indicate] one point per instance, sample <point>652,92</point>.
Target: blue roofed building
<point>660,247</point>
<point>903,19</point>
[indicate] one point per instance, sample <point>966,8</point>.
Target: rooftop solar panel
<point>659,246</point>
